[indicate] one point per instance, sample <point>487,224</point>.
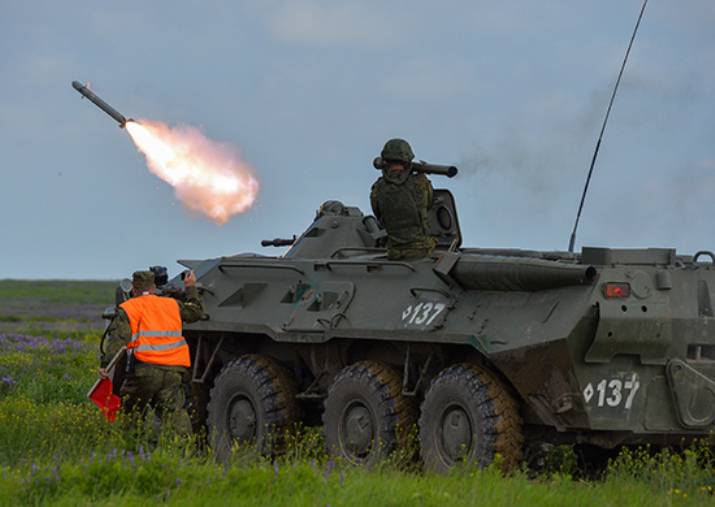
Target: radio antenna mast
<point>603,128</point>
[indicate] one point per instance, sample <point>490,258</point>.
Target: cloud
<point>321,23</point>
<point>429,78</point>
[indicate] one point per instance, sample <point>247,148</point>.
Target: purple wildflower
<point>22,343</point>
<point>7,380</point>
<point>276,469</point>
<point>329,468</point>
<point>112,455</point>
<point>145,455</point>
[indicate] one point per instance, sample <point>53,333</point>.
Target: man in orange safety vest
<point>150,326</point>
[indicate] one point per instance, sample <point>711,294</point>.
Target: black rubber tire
<point>367,394</point>
<point>480,414</point>
<point>253,402</point>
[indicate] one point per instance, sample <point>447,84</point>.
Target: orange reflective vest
<point>156,330</point>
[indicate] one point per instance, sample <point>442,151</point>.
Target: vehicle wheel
<point>366,416</point>
<point>468,416</point>
<point>252,401</point>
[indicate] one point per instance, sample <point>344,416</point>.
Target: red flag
<point>102,395</point>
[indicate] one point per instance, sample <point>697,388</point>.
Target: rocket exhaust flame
<point>208,177</point>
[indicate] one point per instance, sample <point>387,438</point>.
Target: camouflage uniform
<point>400,201</point>
<point>158,386</point>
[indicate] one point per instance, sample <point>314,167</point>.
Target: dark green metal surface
<point>583,367</point>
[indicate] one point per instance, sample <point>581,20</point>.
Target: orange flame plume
<point>207,176</point>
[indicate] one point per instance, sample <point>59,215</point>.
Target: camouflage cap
<point>143,280</point>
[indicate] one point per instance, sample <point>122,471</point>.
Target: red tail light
<point>616,290</point>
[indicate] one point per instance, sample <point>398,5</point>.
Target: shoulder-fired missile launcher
<point>485,350</point>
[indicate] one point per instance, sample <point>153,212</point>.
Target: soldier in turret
<point>400,201</point>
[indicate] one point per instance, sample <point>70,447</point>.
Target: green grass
<point>58,291</point>
<point>56,449</point>
<point>41,318</point>
<point>45,376</point>
<point>166,475</point>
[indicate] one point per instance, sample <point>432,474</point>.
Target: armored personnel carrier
<point>482,349</point>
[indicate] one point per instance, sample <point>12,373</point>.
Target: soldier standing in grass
<point>150,326</point>
<point>400,200</point>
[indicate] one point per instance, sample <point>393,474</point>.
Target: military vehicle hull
<point>605,347</point>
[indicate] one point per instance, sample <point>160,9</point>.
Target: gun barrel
<point>86,92</point>
<point>449,171</point>
<point>278,242</point>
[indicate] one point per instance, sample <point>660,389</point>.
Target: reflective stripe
<point>164,346</point>
<point>152,334</point>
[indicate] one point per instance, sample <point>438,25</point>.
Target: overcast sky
<point>308,91</point>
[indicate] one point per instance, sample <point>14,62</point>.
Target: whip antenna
<point>603,128</point>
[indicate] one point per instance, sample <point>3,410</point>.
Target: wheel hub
<point>242,419</point>
<point>456,433</point>
<point>358,430</point>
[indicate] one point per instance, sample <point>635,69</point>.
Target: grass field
<point>55,448</point>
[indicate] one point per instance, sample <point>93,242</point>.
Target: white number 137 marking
<point>613,392</point>
<point>422,314</point>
